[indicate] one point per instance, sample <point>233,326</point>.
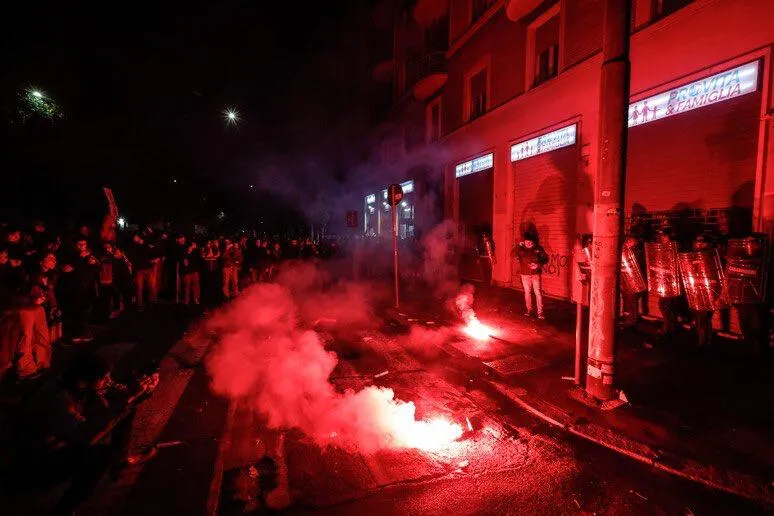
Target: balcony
<point>430,75</point>
<point>518,9</point>
<point>383,70</point>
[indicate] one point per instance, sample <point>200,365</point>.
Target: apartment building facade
<point>510,117</point>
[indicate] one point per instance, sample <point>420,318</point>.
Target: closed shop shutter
<point>544,200</point>
<point>703,159</point>
<point>700,159</point>
<point>476,202</point>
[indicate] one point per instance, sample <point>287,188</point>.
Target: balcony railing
<point>429,74</point>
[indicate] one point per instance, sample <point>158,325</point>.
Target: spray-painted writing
<point>557,263</point>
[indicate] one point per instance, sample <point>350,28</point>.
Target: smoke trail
<point>464,302</point>
<point>440,274</point>
<point>265,356</point>
<point>440,271</point>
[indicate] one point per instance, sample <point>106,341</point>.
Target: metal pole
<point>395,252</point>
<point>608,200</point>
<point>578,341</point>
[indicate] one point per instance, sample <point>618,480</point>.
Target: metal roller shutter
<point>545,198</point>
<point>700,159</point>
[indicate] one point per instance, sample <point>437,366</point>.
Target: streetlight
<point>37,102</point>
<point>232,116</point>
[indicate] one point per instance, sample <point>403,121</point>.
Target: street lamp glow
<point>231,116</point>
<point>37,94</point>
<point>121,222</point>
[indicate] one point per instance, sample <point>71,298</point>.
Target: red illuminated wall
<point>706,34</point>
<point>582,29</point>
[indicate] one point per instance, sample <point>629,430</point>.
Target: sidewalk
<point>708,417</point>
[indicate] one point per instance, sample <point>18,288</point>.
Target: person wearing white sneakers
<point>532,257</point>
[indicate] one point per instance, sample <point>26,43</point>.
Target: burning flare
<point>473,327</point>
<point>477,329</point>
<point>266,358</point>
<point>427,435</point>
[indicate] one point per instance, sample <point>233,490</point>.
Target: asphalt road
<point>510,464</point>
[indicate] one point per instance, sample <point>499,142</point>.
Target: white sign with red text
<point>704,92</point>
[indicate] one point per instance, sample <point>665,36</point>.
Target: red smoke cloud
<point>266,356</point>
<point>440,268</point>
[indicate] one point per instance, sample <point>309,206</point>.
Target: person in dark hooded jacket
<point>532,257</point>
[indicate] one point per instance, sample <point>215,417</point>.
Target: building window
<point>478,8</point>
<point>434,121</point>
<point>663,8</point>
<point>649,11</point>
<point>478,99</point>
<point>543,47</point>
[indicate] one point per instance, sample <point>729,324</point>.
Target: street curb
<point>740,484</point>
<point>216,484</point>
<point>733,482</point>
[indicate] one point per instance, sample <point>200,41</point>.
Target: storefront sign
<point>563,137</point>
<point>704,92</point>
<point>408,186</point>
<point>475,165</point>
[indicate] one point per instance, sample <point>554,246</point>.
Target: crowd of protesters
<point>52,286</point>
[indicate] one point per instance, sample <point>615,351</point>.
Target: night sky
<point>143,91</point>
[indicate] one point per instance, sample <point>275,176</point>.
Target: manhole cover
<point>515,364</point>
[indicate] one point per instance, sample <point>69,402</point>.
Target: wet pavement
<point>509,464</point>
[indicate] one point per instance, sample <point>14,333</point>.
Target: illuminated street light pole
<point>609,200</point>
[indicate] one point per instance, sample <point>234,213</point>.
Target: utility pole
<point>609,200</point>
<point>394,196</point>
<point>395,254</point>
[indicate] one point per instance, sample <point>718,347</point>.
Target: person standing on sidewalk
<point>232,261</point>
<point>190,269</point>
<point>210,276</point>
<point>532,257</point>
<point>486,257</point>
<point>142,259</point>
<point>173,268</point>
<point>122,274</point>
<point>702,318</point>
<point>82,269</point>
<point>108,300</point>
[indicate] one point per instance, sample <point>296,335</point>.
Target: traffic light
<point>394,194</point>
